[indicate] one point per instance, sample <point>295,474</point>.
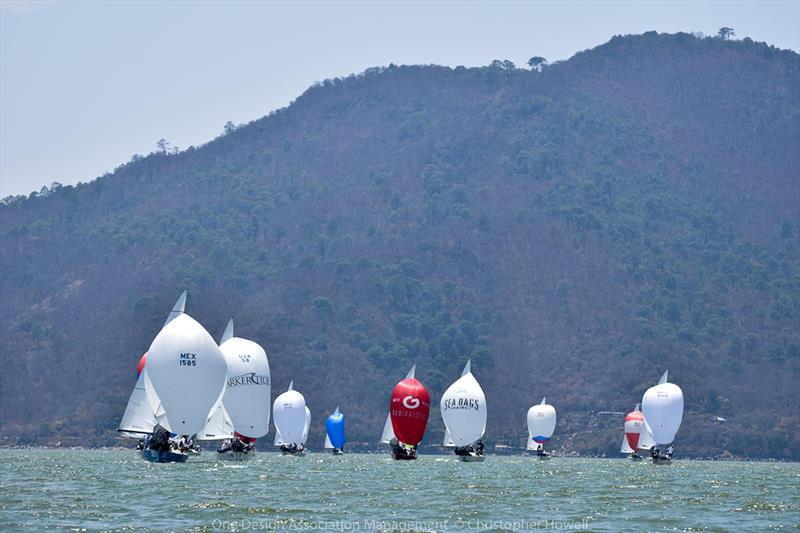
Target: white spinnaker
<point>388,430</point>
<point>662,406</point>
<point>541,424</point>
<point>138,417</point>
<point>186,371</point>
<point>249,390</point>
<point>218,427</point>
<point>306,427</point>
<point>289,416</point>
<point>463,408</point>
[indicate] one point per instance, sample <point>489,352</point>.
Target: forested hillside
<point>573,230</point>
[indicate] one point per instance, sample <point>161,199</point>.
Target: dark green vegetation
<point>574,231</point>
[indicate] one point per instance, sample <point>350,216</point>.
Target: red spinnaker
<point>634,423</point>
<point>409,410</point>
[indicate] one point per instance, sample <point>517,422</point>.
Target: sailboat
<point>636,437</point>
<point>184,381</point>
<point>247,394</point>
<point>292,420</point>
<point>409,407</point>
<point>334,433</point>
<point>662,407</point>
<point>541,424</point>
<point>463,407</point>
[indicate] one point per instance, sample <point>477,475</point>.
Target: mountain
<point>575,231</point>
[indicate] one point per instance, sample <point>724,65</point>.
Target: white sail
<point>306,427</point>
<point>447,440</point>
<point>388,430</point>
<point>153,400</point>
<point>218,427</point>
<point>662,406</point>
<point>289,415</point>
<point>463,408</point>
<point>646,440</point>
<point>177,309</point>
<point>278,439</point>
<point>248,392</point>
<point>328,445</point>
<point>541,424</point>
<point>138,417</point>
<point>186,373</point>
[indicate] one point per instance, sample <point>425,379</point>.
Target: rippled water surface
<point>117,491</point>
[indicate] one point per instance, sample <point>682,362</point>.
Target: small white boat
<point>292,420</point>
<point>662,407</point>
<point>463,407</point>
<point>185,373</point>
<point>541,425</point>
<point>181,381</point>
<point>247,394</point>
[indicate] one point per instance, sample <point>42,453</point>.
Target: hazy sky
<point>85,85</point>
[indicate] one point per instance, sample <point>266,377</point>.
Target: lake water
<point>116,491</point>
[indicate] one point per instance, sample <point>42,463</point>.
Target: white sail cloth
<point>463,408</point>
<point>248,384</point>
<point>186,374</point>
<point>662,407</point>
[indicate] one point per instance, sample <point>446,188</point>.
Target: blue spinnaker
<point>334,425</point>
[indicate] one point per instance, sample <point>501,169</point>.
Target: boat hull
<point>661,461</point>
<point>471,458</point>
<point>153,456</point>
<point>293,454</point>
<point>230,455</point>
<point>403,457</point>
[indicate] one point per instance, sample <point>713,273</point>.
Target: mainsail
<point>662,406</point>
<point>138,418</point>
<point>248,384</point>
<point>218,427</point>
<point>541,424</point>
<point>463,407</point>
